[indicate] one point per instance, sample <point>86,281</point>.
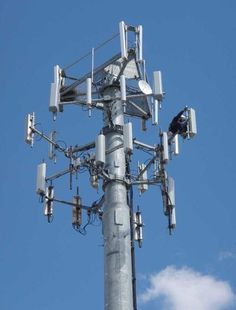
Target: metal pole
<point>116,216</point>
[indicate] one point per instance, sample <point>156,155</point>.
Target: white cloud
<point>226,254</point>
<point>184,288</point>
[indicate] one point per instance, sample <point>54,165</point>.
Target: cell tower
<point>119,88</point>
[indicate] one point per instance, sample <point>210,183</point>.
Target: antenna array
<point>118,88</point>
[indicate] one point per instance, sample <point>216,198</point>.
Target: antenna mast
<point>119,88</point>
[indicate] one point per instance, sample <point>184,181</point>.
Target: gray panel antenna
<point>157,86</point>
<point>77,212</point>
<point>48,208</point>
<point>123,41</point>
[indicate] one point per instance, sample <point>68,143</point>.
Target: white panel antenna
<point>173,218</point>
<point>100,149</point>
<point>171,192</point>
<point>123,88</point>
<point>164,192</point>
<point>123,40</point>
<point>155,110</point>
<point>157,86</point>
<point>135,227</point>
<point>53,104</point>
<point>165,147</point>
<point>57,74</point>
<point>192,124</point>
<point>171,203</point>
<point>138,227</point>
<point>55,91</point>
<point>128,138</point>
<point>41,179</point>
<point>143,187</point>
<point>140,43</point>
<point>29,127</point>
<point>89,94</point>
<point>176,144</point>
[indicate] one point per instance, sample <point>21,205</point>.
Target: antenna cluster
<point>120,89</point>
<point>123,79</point>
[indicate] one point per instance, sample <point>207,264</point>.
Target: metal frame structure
<point>119,88</point>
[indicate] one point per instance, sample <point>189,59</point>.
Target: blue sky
<point>46,266</point>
